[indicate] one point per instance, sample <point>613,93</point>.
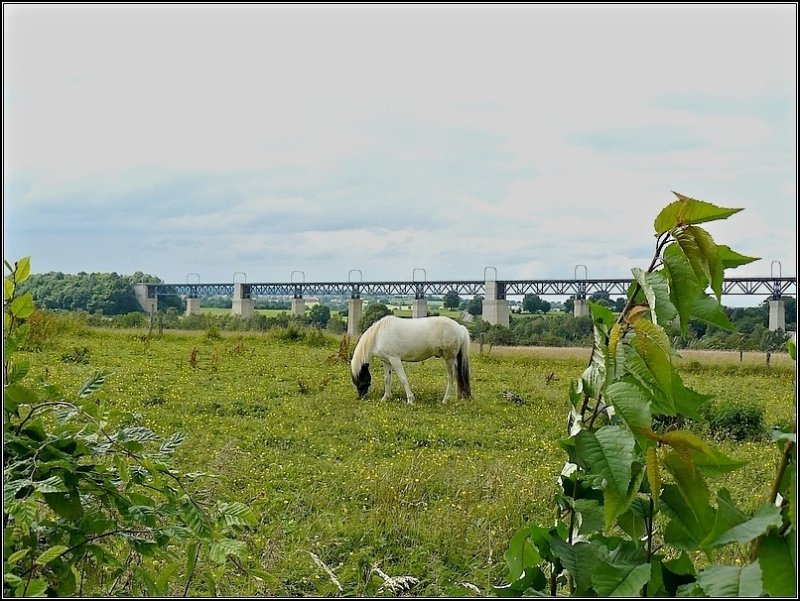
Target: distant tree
<point>319,316</point>
<point>372,314</point>
<point>475,306</point>
<point>533,304</point>
<point>452,300</point>
<point>569,305</point>
<point>619,304</point>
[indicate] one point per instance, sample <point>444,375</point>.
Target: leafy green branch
<point>634,504</point>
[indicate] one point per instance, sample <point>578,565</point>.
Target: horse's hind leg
<point>387,381</point>
<point>451,376</point>
<point>398,367</point>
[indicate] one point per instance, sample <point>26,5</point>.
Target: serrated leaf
<point>791,346</point>
<point>8,289</point>
<point>620,580</point>
<point>195,519</point>
<point>17,369</point>
<point>652,345</point>
<point>731,259</point>
<point>778,569</point>
<point>237,514</point>
<point>731,581</point>
<point>52,484</point>
<point>219,550</point>
<point>687,211</point>
<point>607,454</point>
<point>710,253</point>
<point>632,404</point>
<point>638,370</point>
<point>684,288</point>
<point>580,560</point>
<point>93,384</point>
<point>50,554</point>
<point>171,444</point>
<point>708,310</point>
<point>656,290</point>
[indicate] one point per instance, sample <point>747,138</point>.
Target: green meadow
<point>426,490</point>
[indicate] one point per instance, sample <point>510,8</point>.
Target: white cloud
<point>271,138</point>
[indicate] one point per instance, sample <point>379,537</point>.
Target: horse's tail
<point>462,368</point>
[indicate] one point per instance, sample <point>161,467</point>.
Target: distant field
<point>429,490</point>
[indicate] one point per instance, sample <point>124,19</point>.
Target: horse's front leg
<point>387,381</point>
<point>398,367</point>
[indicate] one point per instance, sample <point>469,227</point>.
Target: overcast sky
<point>215,139</point>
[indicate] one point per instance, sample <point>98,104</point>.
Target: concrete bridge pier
<point>298,306</point>
<point>354,309</point>
<point>777,315</point>
<point>580,308</point>
<point>192,306</point>
<point>419,307</point>
<point>495,305</point>
<point>243,305</point>
<point>147,298</point>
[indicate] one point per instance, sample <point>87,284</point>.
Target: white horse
<point>393,340</point>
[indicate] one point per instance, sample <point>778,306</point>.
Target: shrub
<point>740,420</point>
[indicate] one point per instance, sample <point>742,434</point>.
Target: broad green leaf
<point>521,554</point>
<point>12,579</point>
<point>22,306</point>
<point>220,549</point>
<point>194,518</point>
<point>656,290</point>
<point>710,253</point>
<point>686,211</point>
<point>713,463</point>
<point>697,260</point>
<point>16,556</point>
<point>8,289</point>
<point>50,554</point>
<point>580,560</point>
<point>652,345</point>
<point>35,588</point>
<point>779,572</point>
<point>632,404</point>
<point>52,484</point>
<point>684,287</point>
<point>731,259</point>
<point>616,506</point>
<point>791,346</point>
<point>602,316</point>
<point>620,580</point>
<point>531,578</point>
<point>171,444</point>
<point>731,581</point>
<point>67,505</point>
<point>22,270</point>
<point>686,503</point>
<point>732,526</point>
<point>237,514</point>
<point>708,310</point>
<point>591,513</point>
<point>17,369</point>
<point>607,454</point>
<point>19,394</point>
<point>93,384</point>
<point>639,371</point>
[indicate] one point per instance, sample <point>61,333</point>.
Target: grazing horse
<point>393,340</point>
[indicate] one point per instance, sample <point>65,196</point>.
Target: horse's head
<point>362,381</point>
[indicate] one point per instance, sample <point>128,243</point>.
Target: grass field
<point>428,490</point>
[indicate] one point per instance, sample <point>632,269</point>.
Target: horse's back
<point>418,339</point>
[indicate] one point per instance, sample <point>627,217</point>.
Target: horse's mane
<point>365,344</point>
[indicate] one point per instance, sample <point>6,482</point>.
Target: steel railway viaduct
<point>495,293</point>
